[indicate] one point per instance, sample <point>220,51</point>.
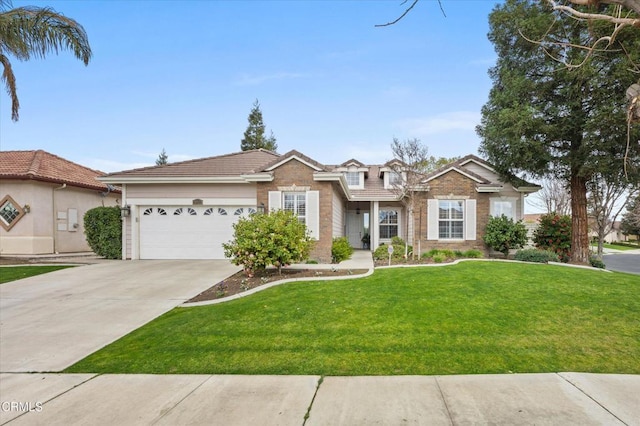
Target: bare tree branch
<point>407,10</point>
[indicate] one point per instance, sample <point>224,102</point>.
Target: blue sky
<point>183,76</point>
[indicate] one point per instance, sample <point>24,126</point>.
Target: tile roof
<point>42,166</point>
<point>294,153</point>
<point>374,187</point>
<point>234,164</point>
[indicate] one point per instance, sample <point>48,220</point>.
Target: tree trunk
<point>579,224</point>
<point>600,246</point>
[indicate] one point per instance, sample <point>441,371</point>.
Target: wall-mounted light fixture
<point>125,211</point>
<point>357,210</point>
<point>27,208</point>
<point>261,208</point>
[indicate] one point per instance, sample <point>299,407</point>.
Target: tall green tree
<point>29,31</point>
<point>547,120</point>
<point>254,137</point>
<point>162,159</point>
<point>630,224</point>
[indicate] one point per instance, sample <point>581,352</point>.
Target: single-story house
<point>43,199</point>
<point>186,209</point>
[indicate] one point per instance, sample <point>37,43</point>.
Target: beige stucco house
<point>43,199</point>
<point>186,209</point>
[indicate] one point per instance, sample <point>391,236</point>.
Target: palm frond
<point>9,80</point>
<point>34,31</point>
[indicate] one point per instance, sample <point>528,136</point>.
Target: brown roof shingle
<point>234,164</point>
<point>43,166</point>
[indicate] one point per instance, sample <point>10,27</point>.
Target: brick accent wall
<point>299,174</point>
<point>457,186</point>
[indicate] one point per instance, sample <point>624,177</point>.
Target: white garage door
<point>194,232</point>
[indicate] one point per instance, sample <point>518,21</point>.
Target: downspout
<point>55,216</point>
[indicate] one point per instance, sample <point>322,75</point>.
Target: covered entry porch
<point>372,223</point>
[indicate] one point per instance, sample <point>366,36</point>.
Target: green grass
<point>12,273</point>
<point>616,247</point>
<point>475,317</point>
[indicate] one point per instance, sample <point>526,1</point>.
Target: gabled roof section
<point>456,168</point>
<point>295,155</point>
<point>43,166</point>
<point>352,162</point>
<point>475,159</point>
<point>219,167</point>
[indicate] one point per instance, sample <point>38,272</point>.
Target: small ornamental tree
<point>261,240</point>
<point>503,234</point>
<point>554,234</point>
<point>103,229</point>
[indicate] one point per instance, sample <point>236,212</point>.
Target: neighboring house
<point>614,235</point>
<point>43,199</point>
<point>187,209</point>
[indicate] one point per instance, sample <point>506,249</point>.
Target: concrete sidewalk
<point>541,399</point>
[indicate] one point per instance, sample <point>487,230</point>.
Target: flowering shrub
<point>260,240</point>
<point>503,234</point>
<point>554,234</point>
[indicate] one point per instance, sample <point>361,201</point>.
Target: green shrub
<point>439,258</point>
<point>473,254</point>
<point>597,263</point>
<point>340,249</point>
<point>381,252</point>
<point>103,230</point>
<point>536,255</point>
<point>260,240</point>
<point>503,234</point>
<point>554,234</point>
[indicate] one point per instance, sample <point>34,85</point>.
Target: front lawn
<point>616,247</point>
<point>475,317</point>
<point>12,273</point>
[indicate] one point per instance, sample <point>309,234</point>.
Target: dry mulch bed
<point>239,282</point>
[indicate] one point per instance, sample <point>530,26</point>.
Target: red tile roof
<point>45,167</point>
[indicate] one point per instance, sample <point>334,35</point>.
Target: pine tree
<point>254,137</point>
<point>162,159</point>
<point>546,120</point>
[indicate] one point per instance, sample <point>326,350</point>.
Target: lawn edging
<point>455,262</point>
<point>366,274</point>
<point>273,284</point>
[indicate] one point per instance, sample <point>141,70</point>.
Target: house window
<point>501,207</point>
<point>388,224</point>
<point>10,212</point>
<point>451,219</point>
<point>353,178</point>
<point>296,202</point>
<point>395,179</point>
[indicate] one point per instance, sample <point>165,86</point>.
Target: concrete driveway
<point>49,322</point>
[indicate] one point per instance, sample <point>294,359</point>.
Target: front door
<point>355,228</point>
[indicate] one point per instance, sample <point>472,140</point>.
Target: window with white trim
<point>395,178</point>
<point>500,206</point>
<point>296,202</point>
<point>353,178</point>
<point>450,219</point>
<point>388,220</point>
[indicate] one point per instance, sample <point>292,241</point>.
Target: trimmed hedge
<point>536,255</point>
<point>103,230</point>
